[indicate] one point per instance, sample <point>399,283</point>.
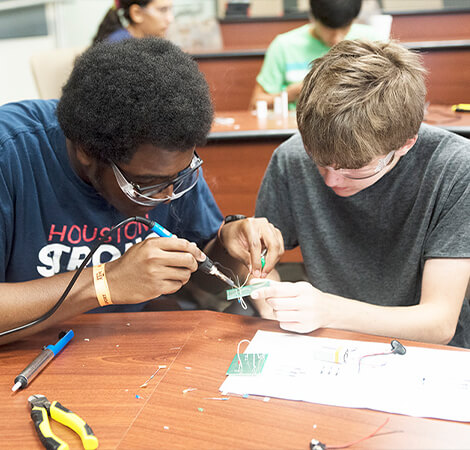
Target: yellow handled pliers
<point>42,409</point>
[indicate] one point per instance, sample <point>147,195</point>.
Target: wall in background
<point>424,5</point>
<point>61,24</point>
<point>16,80</point>
<point>23,22</point>
<point>78,20</point>
<point>73,23</point>
<point>196,27</point>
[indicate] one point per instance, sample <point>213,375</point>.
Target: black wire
<point>76,275</point>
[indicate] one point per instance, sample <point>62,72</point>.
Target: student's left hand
<point>298,307</point>
<point>245,240</point>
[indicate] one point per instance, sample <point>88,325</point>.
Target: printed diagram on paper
<point>423,382</point>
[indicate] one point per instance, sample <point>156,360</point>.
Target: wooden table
<point>99,373</point>
<point>240,125</point>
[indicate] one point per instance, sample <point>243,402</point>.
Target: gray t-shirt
<point>372,246</point>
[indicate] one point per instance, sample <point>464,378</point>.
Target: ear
<point>136,13</point>
<point>83,157</point>
<point>402,151</point>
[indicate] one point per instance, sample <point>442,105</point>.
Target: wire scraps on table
<point>148,381</point>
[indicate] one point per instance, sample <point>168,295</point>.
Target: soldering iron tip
<point>16,386</point>
<point>225,278</point>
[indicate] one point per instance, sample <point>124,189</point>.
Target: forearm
<point>262,95</point>
<point>218,253</point>
<point>24,302</point>
<point>422,322</point>
<point>293,92</point>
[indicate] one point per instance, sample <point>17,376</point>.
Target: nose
<point>332,178</point>
<point>170,17</point>
<point>167,192</point>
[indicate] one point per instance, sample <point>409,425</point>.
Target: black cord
<point>59,302</point>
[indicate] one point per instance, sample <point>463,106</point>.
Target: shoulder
<point>201,189</point>
<point>442,143</point>
<point>292,145</point>
<point>26,117</point>
<point>445,155</point>
<point>291,153</point>
<point>200,195</point>
<point>119,35</point>
<point>292,36</point>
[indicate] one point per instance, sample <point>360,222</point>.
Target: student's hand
<point>293,91</point>
<point>298,307</point>
<point>151,268</point>
<point>245,240</point>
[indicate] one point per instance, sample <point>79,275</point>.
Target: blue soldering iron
<point>207,266</point>
<point>41,361</point>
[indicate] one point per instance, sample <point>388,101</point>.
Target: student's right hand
<point>151,268</point>
<point>293,91</point>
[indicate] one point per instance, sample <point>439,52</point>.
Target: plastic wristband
<point>101,285</point>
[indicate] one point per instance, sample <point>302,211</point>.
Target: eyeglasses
<point>182,183</point>
<point>365,172</point>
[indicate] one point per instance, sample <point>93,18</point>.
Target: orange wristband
<point>101,285</point>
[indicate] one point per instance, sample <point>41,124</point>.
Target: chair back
<point>51,69</point>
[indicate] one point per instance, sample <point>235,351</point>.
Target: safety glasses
<point>366,172</point>
<point>156,194</point>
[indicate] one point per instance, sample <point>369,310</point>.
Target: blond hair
<point>359,101</point>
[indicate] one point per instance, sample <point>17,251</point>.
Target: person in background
<point>289,56</point>
<point>378,202</point>
<point>135,18</point>
<point>119,143</point>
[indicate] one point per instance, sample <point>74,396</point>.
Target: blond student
<point>378,203</point>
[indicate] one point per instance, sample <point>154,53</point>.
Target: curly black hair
<point>137,91</point>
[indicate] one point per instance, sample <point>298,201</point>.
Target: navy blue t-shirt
<point>50,218</point>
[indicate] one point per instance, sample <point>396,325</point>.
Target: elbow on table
<point>444,332</point>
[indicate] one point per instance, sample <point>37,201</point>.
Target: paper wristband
<point>101,285</point>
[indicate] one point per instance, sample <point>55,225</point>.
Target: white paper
<point>422,383</point>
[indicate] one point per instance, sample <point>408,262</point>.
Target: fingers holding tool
<point>247,239</point>
<point>42,409</point>
<point>265,257</point>
<point>158,266</point>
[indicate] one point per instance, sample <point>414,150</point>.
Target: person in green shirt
<point>288,57</point>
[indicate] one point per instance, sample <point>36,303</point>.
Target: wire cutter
<point>42,409</point>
